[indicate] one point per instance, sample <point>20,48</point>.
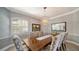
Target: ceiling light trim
<point>67,13</point>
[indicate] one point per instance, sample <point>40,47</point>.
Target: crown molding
<point>61,15</point>
<point>26,14</point>
<point>68,13</point>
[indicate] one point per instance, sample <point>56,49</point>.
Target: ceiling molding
<point>71,12</point>
<point>11,9</point>
<point>50,18</point>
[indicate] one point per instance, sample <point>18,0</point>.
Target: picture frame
<point>35,27</point>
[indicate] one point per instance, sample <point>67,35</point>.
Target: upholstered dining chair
<point>59,43</point>
<point>60,46</point>
<point>63,45</point>
<point>19,43</point>
<point>54,46</point>
<point>56,43</point>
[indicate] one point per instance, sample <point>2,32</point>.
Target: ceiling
<point>38,12</point>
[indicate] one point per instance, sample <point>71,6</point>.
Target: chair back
<point>56,44</point>
<point>18,43</point>
<point>63,37</point>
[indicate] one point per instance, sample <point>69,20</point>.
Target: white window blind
<point>19,25</point>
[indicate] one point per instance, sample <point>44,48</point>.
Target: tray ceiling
<point>38,12</point>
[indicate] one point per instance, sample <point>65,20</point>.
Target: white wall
<point>72,25</point>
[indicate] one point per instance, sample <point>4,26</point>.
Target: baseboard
<point>72,42</point>
<point>5,48</point>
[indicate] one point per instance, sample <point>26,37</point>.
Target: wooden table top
<point>36,45</point>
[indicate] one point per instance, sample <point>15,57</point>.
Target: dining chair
<point>60,46</point>
<point>19,43</point>
<point>56,43</point>
<point>62,41</point>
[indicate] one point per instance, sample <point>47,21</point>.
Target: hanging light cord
<point>45,11</point>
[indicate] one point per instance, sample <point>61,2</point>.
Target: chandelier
<point>45,20</point>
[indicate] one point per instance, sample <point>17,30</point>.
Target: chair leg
<point>63,46</point>
<point>60,48</point>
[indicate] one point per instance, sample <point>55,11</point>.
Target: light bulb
<point>45,21</point>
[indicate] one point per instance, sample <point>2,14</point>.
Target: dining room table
<point>36,44</point>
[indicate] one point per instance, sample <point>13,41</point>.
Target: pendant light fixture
<point>45,20</point>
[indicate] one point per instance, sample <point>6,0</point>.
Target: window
<point>19,25</point>
<point>59,26</point>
